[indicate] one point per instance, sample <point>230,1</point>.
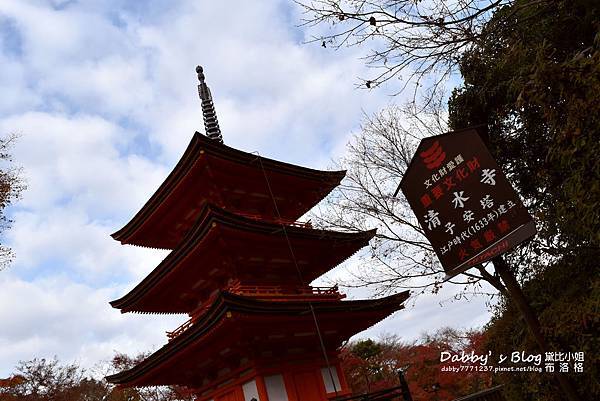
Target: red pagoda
<point>240,267</point>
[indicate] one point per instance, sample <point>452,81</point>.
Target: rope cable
<point>310,305</point>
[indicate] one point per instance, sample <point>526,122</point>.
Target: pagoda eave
<point>162,212</point>
<point>200,259</point>
<point>337,320</point>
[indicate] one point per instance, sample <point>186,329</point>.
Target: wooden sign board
<point>467,208</point>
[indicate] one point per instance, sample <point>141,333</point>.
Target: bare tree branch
<point>411,40</point>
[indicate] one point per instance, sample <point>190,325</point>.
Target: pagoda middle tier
<point>224,250</point>
<point>241,182</point>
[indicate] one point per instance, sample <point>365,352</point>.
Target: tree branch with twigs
<point>11,187</point>
<point>418,42</point>
<point>399,257</point>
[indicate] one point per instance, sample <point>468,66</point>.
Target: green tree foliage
<point>536,87</point>
<point>531,72</point>
<point>368,368</point>
<point>567,299</point>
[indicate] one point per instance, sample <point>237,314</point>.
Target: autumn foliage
<point>373,365</point>
<point>50,380</point>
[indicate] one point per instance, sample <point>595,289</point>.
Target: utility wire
<point>310,305</point>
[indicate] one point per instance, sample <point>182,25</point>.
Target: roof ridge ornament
<point>211,124</point>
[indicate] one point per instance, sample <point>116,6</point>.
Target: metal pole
<point>516,295</point>
<point>404,387</point>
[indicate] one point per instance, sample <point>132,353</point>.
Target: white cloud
<point>43,318</point>
<point>105,100</point>
<point>75,160</point>
<point>424,313</point>
<point>66,241</point>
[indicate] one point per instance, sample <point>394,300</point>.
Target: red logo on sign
<point>434,156</point>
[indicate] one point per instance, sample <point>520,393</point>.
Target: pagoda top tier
<point>238,328</point>
<point>223,248</point>
<point>240,182</point>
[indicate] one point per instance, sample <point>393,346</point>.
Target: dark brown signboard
<point>468,210</point>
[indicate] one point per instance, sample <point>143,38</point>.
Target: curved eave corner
<point>197,145</point>
<point>242,304</point>
<point>208,216</point>
<point>120,304</point>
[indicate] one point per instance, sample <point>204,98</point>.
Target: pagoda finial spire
<point>211,124</point>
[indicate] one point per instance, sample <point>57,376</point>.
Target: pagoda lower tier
<point>241,182</point>
<point>241,346</point>
<point>227,251</point>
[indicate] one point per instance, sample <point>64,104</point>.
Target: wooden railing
<point>491,394</point>
<point>267,292</point>
<point>172,334</point>
<point>402,393</point>
<point>287,292</point>
<point>302,224</point>
<point>190,322</point>
<point>389,394</point>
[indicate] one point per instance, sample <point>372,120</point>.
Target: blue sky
<point>103,95</point>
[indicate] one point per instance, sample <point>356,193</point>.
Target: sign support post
<point>406,395</point>
<point>518,297</point>
<point>471,214</point>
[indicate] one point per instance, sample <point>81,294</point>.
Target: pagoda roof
<point>233,179</point>
<point>193,354</point>
<point>223,246</point>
